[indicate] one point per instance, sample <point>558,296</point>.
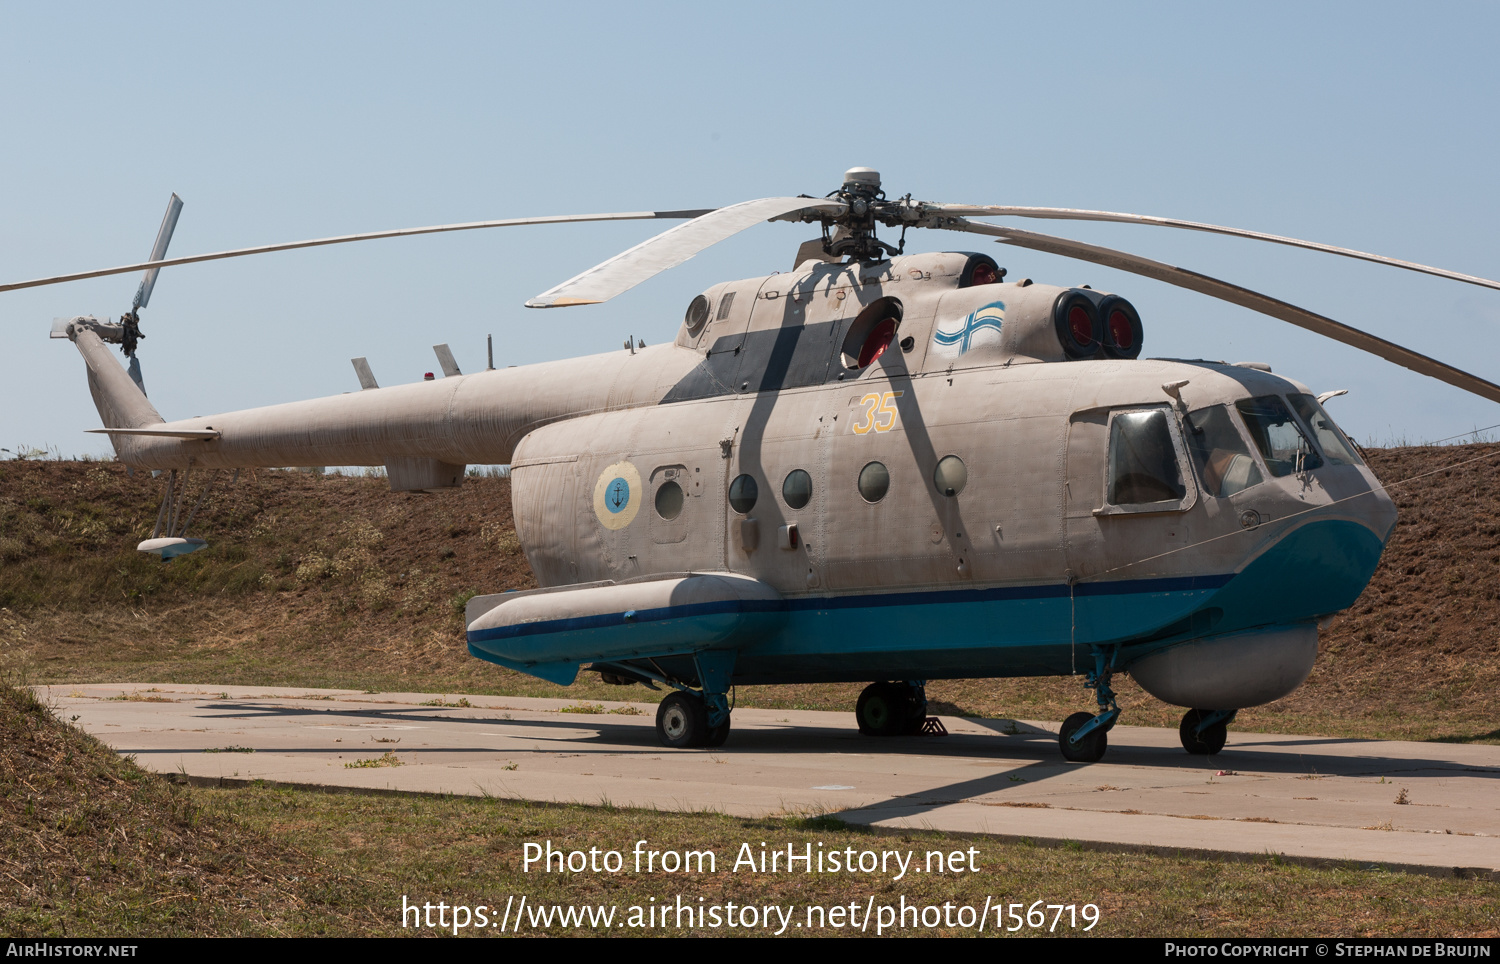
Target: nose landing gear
<point>1084,738</point>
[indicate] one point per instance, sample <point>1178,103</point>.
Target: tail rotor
<point>130,322</point>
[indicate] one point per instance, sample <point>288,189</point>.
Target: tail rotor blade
<point>158,251</point>
<point>135,373</point>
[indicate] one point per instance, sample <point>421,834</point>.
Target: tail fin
<point>121,402</point>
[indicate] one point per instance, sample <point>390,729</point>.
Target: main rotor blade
<point>158,251</point>
<point>1076,214</point>
<point>1244,297</point>
<point>670,248</point>
<point>344,239</point>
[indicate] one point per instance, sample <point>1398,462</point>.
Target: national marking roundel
<point>617,495</point>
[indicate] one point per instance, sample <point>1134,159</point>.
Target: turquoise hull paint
<point>1318,568</point>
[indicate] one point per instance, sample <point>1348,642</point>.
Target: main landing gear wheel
<point>1087,750</point>
<point>682,721</point>
<point>890,709</point>
<point>1206,743</point>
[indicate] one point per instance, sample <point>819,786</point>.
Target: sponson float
<point>876,467</point>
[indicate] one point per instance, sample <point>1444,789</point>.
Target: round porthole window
<point>742,494</point>
<point>874,482</point>
<point>669,500</point>
<point>950,476</point>
<point>797,489</point>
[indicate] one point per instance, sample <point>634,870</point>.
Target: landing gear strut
<point>1084,738</point>
<point>892,709</point>
<point>1204,732</point>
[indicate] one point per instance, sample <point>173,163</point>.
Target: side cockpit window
<point>1145,470</point>
<point>1219,453</point>
<point>1277,435</point>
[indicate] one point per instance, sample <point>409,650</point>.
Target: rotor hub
<point>856,235</point>
<point>861,181</point>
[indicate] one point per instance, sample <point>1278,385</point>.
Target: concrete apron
<point>1308,799</point>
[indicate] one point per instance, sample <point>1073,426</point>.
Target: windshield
<point>1277,435</point>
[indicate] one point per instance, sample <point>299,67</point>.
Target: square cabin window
<point>1147,464</point>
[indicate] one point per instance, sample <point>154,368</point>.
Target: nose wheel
<point>1084,737</point>
<point>1088,748</point>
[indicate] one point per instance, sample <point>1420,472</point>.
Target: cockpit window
<point>1330,439</point>
<point>1277,435</point>
<point>1224,462</point>
<point>1143,466</point>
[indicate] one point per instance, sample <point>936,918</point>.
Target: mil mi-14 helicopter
<point>877,466</point>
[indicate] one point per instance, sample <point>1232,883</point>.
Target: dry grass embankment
<point>332,581</point>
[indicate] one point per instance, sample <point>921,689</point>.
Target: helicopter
<point>877,467</point>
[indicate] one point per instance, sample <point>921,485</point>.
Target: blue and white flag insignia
<point>981,329</point>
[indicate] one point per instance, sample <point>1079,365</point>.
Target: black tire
<point>881,710</point>
<point>1088,750</point>
<point>1207,743</point>
<point>717,735</point>
<point>682,721</point>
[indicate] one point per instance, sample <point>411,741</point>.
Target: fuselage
<point>950,495</point>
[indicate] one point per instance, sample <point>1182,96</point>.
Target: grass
<point>386,759</point>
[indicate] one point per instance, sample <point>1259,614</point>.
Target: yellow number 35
<point>879,414</point>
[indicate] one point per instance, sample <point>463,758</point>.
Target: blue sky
<point>1365,125</point>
